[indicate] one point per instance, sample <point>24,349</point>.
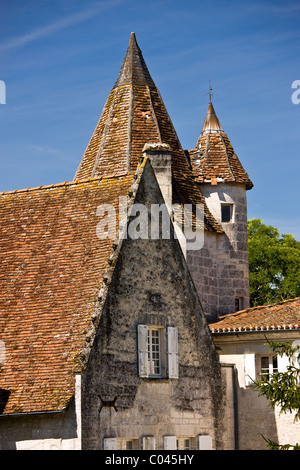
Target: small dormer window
<point>226,212</point>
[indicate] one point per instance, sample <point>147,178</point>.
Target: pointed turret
<point>134,115</point>
<point>214,160</point>
<point>211,122</point>
<point>134,69</point>
<point>224,183</point>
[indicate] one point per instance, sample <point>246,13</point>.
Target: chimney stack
<point>160,156</point>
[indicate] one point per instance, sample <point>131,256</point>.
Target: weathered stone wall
<point>204,271</point>
<point>151,285</point>
<point>220,268</point>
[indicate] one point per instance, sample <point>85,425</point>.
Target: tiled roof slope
<point>214,159</point>
<point>280,316</point>
<point>52,264</point>
<point>134,114</point>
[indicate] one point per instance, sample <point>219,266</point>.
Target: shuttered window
<point>200,442</point>
<point>157,351</point>
<point>268,365</point>
<point>154,352</point>
<point>263,366</point>
<point>149,443</point>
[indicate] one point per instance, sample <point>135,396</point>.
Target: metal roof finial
<point>210,93</point>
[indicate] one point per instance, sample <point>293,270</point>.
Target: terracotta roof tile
<point>214,158</point>
<point>134,114</point>
<point>52,266</point>
<point>279,316</point>
<point>53,263</point>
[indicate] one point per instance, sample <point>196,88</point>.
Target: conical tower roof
<point>211,122</point>
<point>214,158</point>
<point>134,114</point>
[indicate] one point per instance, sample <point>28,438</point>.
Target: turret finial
<point>210,93</point>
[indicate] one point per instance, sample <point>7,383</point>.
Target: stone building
<point>104,325</point>
<point>223,182</point>
<point>243,339</point>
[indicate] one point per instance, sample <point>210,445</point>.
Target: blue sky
<point>60,59</point>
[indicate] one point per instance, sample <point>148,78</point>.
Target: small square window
<point>268,365</point>
<point>239,304</point>
<point>185,443</point>
<point>128,444</point>
<point>157,351</point>
<point>226,212</point>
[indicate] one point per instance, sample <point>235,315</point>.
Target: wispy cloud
<point>47,30</point>
<point>289,8</point>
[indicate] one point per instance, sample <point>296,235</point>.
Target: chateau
<point>132,341</point>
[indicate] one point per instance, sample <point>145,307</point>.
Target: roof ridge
<point>65,183</point>
<point>283,315</point>
<point>134,67</point>
<point>258,307</point>
<point>227,156</point>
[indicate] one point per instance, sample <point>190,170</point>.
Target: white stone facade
<point>255,416</point>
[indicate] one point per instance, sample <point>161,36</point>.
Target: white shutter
<point>170,443</point>
<point>250,374</point>
<point>143,350</point>
<point>173,352</point>
<point>110,443</point>
<point>283,362</point>
<point>204,442</point>
<point>149,443</point>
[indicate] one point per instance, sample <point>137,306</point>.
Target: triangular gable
<point>149,273</point>
<point>150,293</point>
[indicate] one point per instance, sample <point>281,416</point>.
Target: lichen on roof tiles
<point>134,114</point>
<point>213,157</point>
<point>52,267</point>
<point>282,315</point>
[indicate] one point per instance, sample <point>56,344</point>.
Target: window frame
<point>184,443</point>
<point>168,351</point>
<point>231,208</point>
<point>238,303</point>
<point>181,443</point>
<point>270,370</point>
<point>152,362</point>
<point>124,444</point>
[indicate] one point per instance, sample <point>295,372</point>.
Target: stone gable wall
<point>151,285</point>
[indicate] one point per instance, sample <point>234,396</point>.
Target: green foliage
<point>282,388</point>
<point>274,264</point>
<point>272,445</point>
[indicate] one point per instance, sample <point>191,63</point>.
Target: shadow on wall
<point>26,427</point>
<point>255,419</point>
